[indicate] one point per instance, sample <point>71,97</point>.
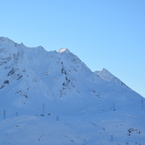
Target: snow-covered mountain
<point>54,98</point>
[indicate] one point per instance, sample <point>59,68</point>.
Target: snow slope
<point>53,98</point>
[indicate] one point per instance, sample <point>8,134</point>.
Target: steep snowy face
<point>9,57</point>
<point>16,58</point>
<point>8,50</point>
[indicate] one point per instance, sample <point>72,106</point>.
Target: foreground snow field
<point>53,98</point>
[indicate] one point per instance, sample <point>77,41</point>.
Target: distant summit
<point>62,50</point>
<point>106,75</point>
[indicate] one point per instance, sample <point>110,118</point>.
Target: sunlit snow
<point>62,50</point>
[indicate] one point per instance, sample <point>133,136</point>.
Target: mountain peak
<point>106,75</point>
<point>61,50</point>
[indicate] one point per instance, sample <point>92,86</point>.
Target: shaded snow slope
<point>54,98</point>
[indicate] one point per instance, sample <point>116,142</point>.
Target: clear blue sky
<point>102,33</point>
